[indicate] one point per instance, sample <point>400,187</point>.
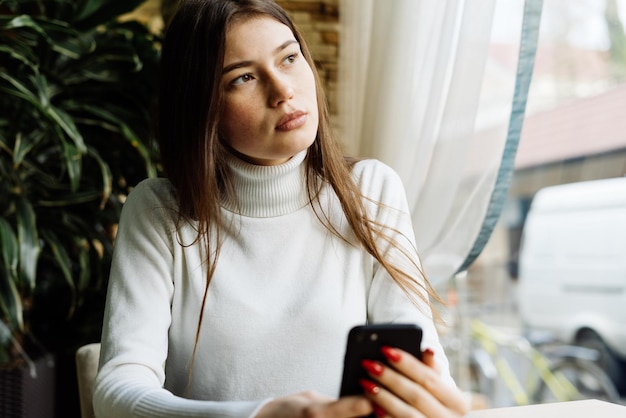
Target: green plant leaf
<point>20,151</point>
<point>120,127</point>
<point>73,163</point>
<point>71,199</point>
<point>84,274</point>
<point>97,12</point>
<point>24,144</point>
<point>63,261</point>
<point>20,90</point>
<point>105,172</point>
<point>11,303</point>
<point>43,93</point>
<point>63,120</point>
<point>67,37</point>
<point>66,123</point>
<point>5,339</point>
<point>9,248</point>
<point>107,68</point>
<point>25,57</point>
<point>56,56</point>
<point>28,239</point>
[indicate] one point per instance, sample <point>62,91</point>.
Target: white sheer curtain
<point>414,94</point>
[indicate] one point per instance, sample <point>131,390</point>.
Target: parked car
<point>572,268</point>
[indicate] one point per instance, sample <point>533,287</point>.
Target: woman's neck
<point>267,191</point>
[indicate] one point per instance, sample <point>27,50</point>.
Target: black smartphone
<point>365,342</point>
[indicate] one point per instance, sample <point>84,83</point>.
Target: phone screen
<point>365,342</point>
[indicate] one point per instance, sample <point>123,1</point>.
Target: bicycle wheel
<point>588,380</point>
<point>609,361</point>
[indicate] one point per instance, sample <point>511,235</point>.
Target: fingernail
<point>392,354</point>
<point>374,368</point>
<point>380,412</point>
<point>369,387</point>
<point>429,352</point>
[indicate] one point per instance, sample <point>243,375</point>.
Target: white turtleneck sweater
<point>283,297</point>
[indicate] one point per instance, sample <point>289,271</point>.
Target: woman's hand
<point>411,388</point>
<point>315,405</point>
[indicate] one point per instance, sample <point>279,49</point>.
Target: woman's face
<point>270,104</point>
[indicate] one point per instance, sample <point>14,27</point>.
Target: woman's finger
<point>398,394</point>
<point>428,358</point>
<point>388,403</point>
<point>349,406</point>
<point>426,377</point>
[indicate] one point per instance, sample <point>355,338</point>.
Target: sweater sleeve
<point>387,302</point>
<point>138,315</point>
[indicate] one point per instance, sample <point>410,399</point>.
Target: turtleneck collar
<point>268,191</point>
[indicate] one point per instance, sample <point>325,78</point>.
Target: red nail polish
<point>429,351</point>
<point>372,367</point>
<point>369,387</point>
<point>392,354</point>
<point>380,412</point>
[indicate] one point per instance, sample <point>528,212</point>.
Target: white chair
<point>87,358</point>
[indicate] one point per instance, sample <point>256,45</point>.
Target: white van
<point>572,268</point>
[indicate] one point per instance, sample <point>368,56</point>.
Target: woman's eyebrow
<point>285,45</point>
<point>240,64</point>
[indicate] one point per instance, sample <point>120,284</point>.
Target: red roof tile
<point>578,128</point>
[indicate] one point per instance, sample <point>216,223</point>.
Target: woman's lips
<point>292,121</point>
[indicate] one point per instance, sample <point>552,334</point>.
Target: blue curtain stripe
<point>527,52</point>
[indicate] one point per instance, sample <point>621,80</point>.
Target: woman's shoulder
<point>158,189</point>
<point>380,183</point>
<point>157,185</point>
<point>150,210</point>
<point>153,193</point>
<point>371,174</point>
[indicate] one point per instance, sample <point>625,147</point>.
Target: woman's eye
<point>290,59</point>
<point>242,79</point>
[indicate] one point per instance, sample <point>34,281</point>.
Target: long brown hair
<point>193,154</point>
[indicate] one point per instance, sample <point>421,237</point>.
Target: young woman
<point>235,280</point>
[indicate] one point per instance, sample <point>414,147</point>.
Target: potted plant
<point>76,91</point>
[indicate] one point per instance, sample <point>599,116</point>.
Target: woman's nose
<point>280,90</point>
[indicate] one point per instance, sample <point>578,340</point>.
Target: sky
<point>580,23</point>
